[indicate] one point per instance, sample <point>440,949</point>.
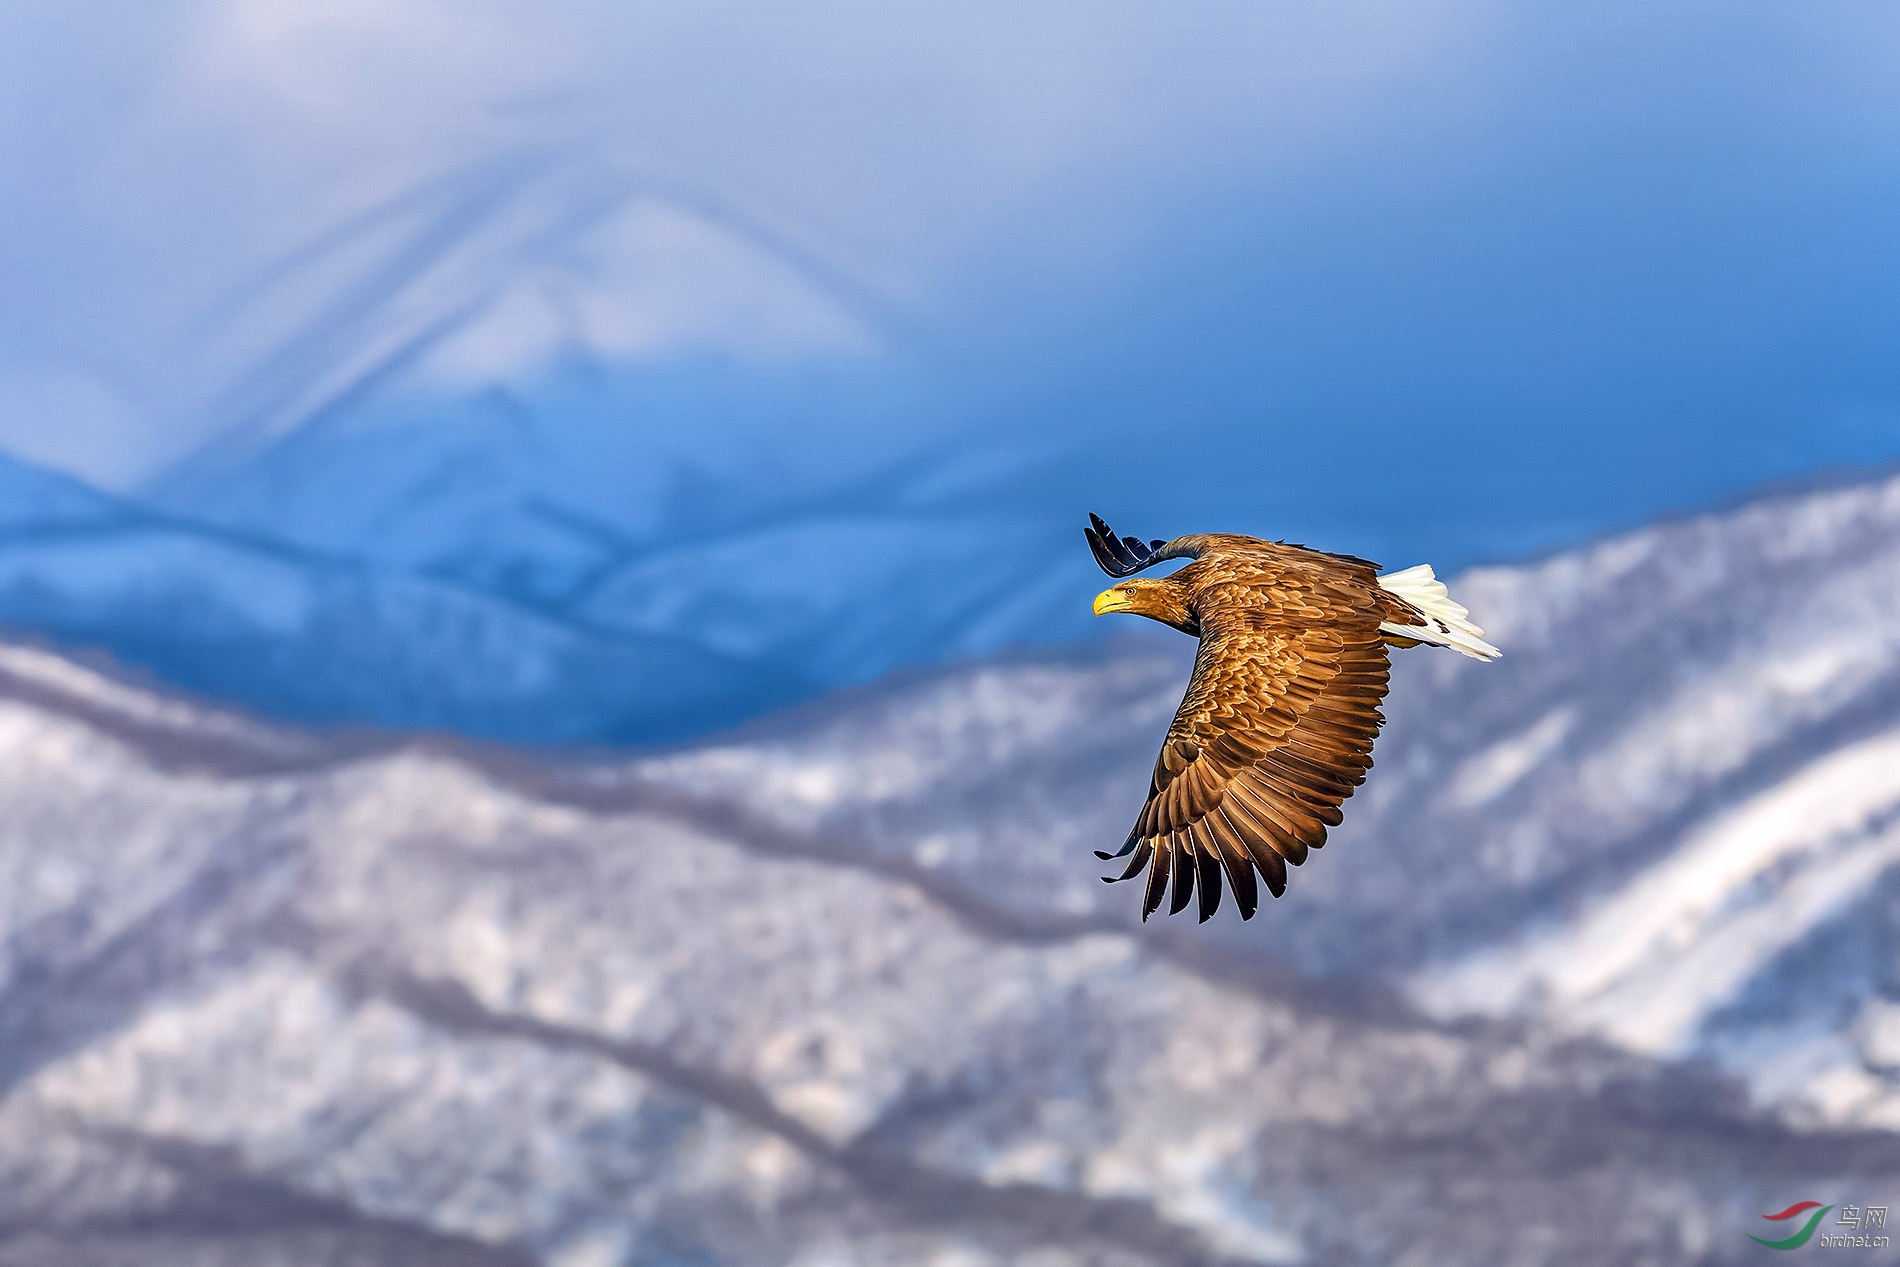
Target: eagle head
<point>1158,598</point>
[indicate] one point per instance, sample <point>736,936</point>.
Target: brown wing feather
<point>1277,725</point>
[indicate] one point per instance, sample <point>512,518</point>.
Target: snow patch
<point>1492,773</point>
<point>1647,965</point>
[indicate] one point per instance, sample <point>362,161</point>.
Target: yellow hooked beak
<point>1113,600</point>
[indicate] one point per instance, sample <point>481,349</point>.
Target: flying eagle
<point>1277,725</point>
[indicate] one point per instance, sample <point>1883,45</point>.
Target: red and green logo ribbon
<point>1799,1238</point>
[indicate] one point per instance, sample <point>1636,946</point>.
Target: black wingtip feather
<point>1239,867</point>
<point>1183,880</point>
<point>1135,865</point>
<point>1209,867</point>
<point>1157,882</point>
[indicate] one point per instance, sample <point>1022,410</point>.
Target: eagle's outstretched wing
<point>1275,731</point>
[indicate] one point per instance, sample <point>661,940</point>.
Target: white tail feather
<point>1444,624</point>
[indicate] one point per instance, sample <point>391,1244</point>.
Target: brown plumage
<point>1277,725</point>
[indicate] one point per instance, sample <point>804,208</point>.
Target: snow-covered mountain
<point>463,593</point>
<point>1601,967</point>
<point>1667,818</point>
<point>823,578</point>
<point>539,448</point>
<point>299,633</point>
<point>272,998</point>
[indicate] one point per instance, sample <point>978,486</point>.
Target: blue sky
<point>1444,281</point>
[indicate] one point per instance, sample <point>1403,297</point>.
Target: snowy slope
<point>1706,838</point>
<point>1665,819</point>
<point>271,999</point>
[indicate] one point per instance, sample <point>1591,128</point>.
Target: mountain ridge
<point>343,1003</point>
<point>844,979</point>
